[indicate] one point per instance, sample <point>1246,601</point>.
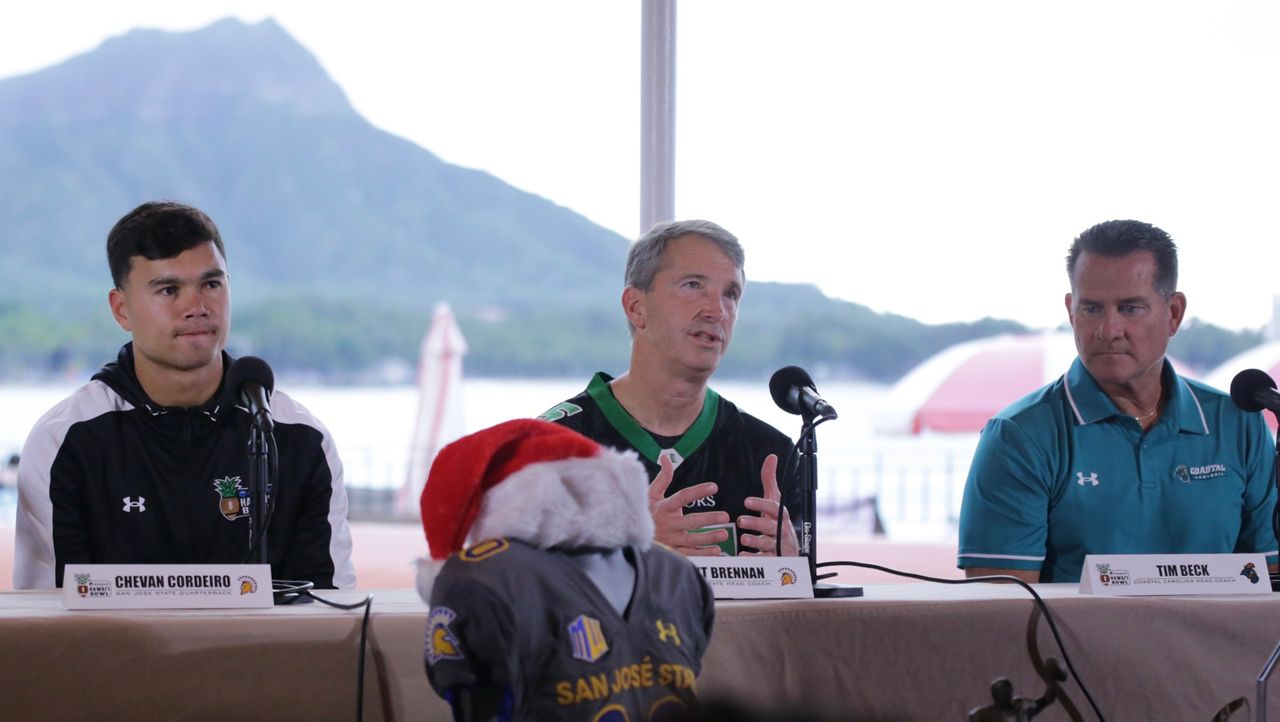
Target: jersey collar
<point>1090,404</point>
<point>638,436</point>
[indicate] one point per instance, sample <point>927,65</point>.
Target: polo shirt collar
<point>1090,404</point>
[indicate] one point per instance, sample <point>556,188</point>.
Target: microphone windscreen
<point>248,369</point>
<point>781,383</point>
<point>1246,385</point>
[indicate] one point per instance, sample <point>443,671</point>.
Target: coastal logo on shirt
<point>441,642</point>
<point>587,638</point>
<point>233,498</point>
<point>1091,479</point>
<point>1187,474</point>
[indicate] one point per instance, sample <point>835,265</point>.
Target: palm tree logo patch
<point>234,499</point>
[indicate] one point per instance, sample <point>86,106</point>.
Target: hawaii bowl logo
<point>1104,573</point>
<point>82,584</point>
<point>233,498</point>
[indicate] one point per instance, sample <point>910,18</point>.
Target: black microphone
<point>253,381</point>
<point>793,391</point>
<point>1254,390</point>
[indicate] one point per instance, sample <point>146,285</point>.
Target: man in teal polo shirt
<point>1121,455</point>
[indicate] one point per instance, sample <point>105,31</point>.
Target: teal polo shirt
<point>1062,473</point>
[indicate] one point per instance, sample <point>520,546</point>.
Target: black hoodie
<point>108,476</point>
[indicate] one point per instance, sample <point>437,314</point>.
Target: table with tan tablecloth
<point>902,652</point>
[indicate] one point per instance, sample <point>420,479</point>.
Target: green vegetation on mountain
<point>341,237</point>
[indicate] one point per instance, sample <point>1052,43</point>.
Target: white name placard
<point>166,586</point>
<point>756,577</point>
<point>1166,574</point>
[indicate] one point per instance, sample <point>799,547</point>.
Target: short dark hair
<point>1114,239</point>
<point>156,230</point>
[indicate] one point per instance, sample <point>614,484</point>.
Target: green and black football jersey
<point>724,445</point>
<point>508,616</point>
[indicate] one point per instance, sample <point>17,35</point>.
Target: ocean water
<point>915,481</point>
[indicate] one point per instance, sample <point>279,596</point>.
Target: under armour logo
<point>1081,479</point>
<point>130,504</point>
<point>667,630</point>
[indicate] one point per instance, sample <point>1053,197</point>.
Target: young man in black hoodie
<point>147,462</point>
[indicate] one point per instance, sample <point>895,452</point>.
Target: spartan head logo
<point>788,576</point>
<point>441,642</point>
<point>1091,479</point>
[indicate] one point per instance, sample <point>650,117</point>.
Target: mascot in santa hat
<point>548,598</point>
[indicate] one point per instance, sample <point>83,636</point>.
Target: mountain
<point>242,121</point>
<point>340,237</point>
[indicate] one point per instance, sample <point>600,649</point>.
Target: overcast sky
<point>926,157</point>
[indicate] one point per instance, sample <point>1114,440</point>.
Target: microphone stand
<point>1008,707</point>
<point>260,483</point>
<point>1275,512</point>
<point>808,449</point>
<point>1269,667</point>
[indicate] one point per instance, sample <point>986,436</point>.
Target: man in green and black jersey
<point>715,469</point>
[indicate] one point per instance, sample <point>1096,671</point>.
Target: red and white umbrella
<point>440,418</point>
<point>961,387</point>
<point>1265,357</point>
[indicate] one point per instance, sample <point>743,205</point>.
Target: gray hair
<point>644,260</point>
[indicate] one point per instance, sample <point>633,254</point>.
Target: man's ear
<point>1177,310</point>
<point>119,308</point>
<point>633,306</point>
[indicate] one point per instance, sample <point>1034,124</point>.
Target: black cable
<point>364,636</point>
<point>1275,480</point>
<point>273,458</point>
<point>1044,609</point>
<point>777,531</point>
<point>273,474</point>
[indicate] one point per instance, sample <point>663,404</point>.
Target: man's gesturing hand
<point>765,526</point>
<point>672,526</point>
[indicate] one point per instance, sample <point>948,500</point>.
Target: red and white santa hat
<point>535,481</point>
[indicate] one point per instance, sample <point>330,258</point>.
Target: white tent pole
<point>657,112</point>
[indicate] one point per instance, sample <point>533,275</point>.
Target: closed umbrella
<point>440,418</point>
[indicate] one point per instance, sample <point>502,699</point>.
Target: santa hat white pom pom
<point>535,481</point>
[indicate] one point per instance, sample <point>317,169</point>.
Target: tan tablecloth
<point>903,652</point>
